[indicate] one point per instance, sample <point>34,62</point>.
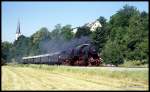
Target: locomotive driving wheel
<point>78,61</point>
<point>90,61</point>
<point>66,62</point>
<point>97,62</point>
<point>93,62</point>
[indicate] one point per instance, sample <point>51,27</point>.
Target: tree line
<point>123,37</point>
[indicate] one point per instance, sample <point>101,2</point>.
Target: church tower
<point>18,33</point>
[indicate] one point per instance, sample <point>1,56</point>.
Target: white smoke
<point>56,45</point>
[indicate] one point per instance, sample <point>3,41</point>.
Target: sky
<point>35,15</point>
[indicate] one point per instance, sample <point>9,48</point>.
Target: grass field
<point>44,77</point>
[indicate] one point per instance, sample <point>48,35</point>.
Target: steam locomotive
<point>82,55</point>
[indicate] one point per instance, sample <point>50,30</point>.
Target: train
<point>82,55</point>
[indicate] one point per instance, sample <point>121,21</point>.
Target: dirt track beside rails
<point>114,68</point>
<point>28,78</point>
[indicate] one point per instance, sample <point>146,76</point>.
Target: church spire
<point>18,28</point>
<point>18,33</point>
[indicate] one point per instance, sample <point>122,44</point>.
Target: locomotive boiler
<point>82,55</point>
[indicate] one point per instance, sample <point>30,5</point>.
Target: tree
<point>99,37</point>
<point>35,40</point>
<point>119,25</point>
<point>128,36</point>
<point>20,48</point>
<point>122,17</point>
<point>55,34</point>
<point>82,31</point>
<point>6,46</point>
<point>66,32</point>
<point>102,20</point>
<point>137,44</point>
<point>41,34</point>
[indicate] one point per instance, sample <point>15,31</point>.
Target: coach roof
<point>44,55</point>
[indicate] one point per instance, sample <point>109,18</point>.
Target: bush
<point>112,54</point>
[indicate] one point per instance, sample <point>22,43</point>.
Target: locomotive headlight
<point>59,56</point>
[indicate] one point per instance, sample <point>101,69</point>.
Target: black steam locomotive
<point>82,55</point>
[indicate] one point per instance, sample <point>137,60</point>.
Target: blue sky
<point>34,15</point>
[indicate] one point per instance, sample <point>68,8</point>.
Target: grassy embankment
<point>44,77</point>
<point>134,63</point>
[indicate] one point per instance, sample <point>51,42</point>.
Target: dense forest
<point>123,38</point>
